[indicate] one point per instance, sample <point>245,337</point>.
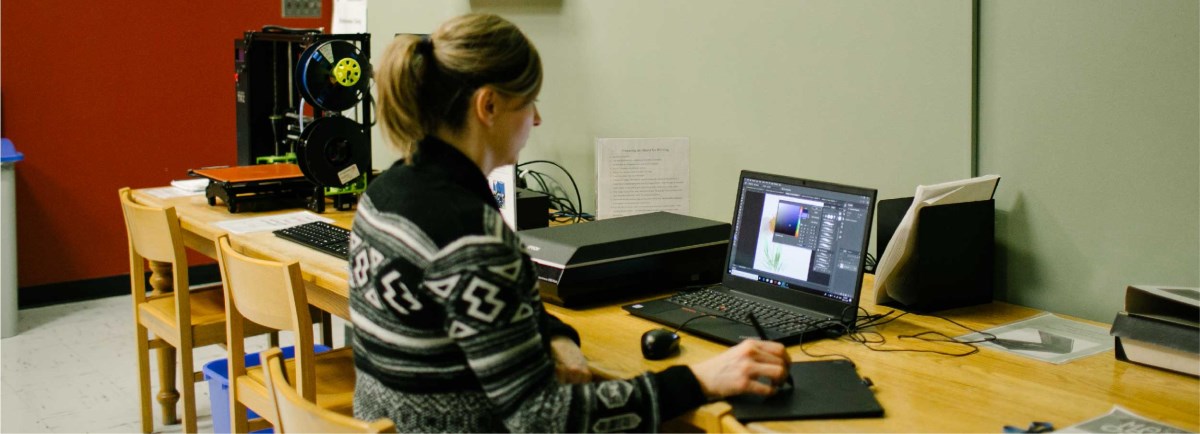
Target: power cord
<point>685,323</point>
<point>872,340</point>
<point>853,330</point>
<point>567,210</point>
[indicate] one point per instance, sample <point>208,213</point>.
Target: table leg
<point>326,329</point>
<point>161,279</point>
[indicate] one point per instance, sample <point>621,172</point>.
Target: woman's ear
<point>485,105</point>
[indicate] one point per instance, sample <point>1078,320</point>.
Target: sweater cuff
<point>678,392</point>
<point>555,327</point>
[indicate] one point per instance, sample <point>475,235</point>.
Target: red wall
<point>103,95</point>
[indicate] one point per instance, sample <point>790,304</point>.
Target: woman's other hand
<point>569,364</point>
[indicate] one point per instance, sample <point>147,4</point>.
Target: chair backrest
<point>154,235</point>
<point>296,414</point>
<point>271,294</point>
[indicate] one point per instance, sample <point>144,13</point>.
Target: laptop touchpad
<point>711,324</point>
<point>724,327</point>
<point>677,316</point>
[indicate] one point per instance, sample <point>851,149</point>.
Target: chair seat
<point>208,315</point>
<point>335,379</point>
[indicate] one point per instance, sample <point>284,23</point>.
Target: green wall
<point>871,93</point>
<point>1089,108</point>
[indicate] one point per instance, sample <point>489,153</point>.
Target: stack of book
<point>1160,327</point>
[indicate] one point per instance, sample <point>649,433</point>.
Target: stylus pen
<point>762,334</point>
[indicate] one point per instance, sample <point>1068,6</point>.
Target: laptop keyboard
<point>738,309</point>
<point>319,235</point>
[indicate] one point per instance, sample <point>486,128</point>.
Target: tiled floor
<point>72,368</point>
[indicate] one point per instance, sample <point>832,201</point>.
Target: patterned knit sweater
<point>449,331</point>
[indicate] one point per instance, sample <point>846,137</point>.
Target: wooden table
<point>923,392</point>
<point>918,391</point>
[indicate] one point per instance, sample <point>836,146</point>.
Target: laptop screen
<point>800,235</point>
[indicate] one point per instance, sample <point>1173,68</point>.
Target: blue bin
<point>216,373</point>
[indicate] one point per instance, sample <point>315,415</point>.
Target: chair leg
<point>168,396</point>
<point>143,361</point>
<point>237,413</point>
<point>189,389</point>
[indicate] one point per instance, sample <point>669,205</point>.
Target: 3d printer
<point>303,98</point>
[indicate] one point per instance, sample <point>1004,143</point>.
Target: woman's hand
<point>569,364</point>
<point>736,371</point>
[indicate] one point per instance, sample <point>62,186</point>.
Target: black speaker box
<point>533,209</point>
<point>952,261</point>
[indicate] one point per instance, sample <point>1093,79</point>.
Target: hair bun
<point>425,44</point>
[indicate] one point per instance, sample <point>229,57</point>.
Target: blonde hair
<point>427,82</point>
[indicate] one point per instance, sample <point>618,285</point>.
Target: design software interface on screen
<point>799,237</point>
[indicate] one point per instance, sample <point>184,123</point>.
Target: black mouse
<point>659,344</point>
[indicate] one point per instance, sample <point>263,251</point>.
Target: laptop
<point>795,261</point>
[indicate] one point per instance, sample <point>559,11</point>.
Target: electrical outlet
<point>301,8</point>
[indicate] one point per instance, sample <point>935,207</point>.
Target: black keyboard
<point>321,236</point>
<point>738,309</point>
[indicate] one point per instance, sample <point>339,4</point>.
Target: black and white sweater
<point>449,331</point>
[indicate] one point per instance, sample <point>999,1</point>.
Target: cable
<point>275,117</point>
<point>835,323</point>
<point>293,30</point>
<point>872,340</point>
<point>877,319</point>
<point>577,211</point>
<point>370,101</point>
<point>685,323</point>
<point>852,330</point>
<point>548,185</point>
<point>988,337</point>
<point>300,114</point>
<point>567,210</point>
<point>860,337</point>
<point>550,188</point>
<point>816,356</point>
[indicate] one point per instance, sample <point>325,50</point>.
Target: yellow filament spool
<point>347,72</point>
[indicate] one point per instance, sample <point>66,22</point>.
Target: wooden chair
<point>185,318</point>
<point>296,414</point>
<point>273,294</point>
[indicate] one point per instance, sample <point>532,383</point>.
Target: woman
<point>450,334</point>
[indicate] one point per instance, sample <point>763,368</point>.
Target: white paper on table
<point>193,185</point>
<point>170,192</point>
<point>349,16</point>
<point>270,223</point>
<point>641,175</point>
<point>1046,337</point>
<point>893,267</point>
<point>1121,420</point>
